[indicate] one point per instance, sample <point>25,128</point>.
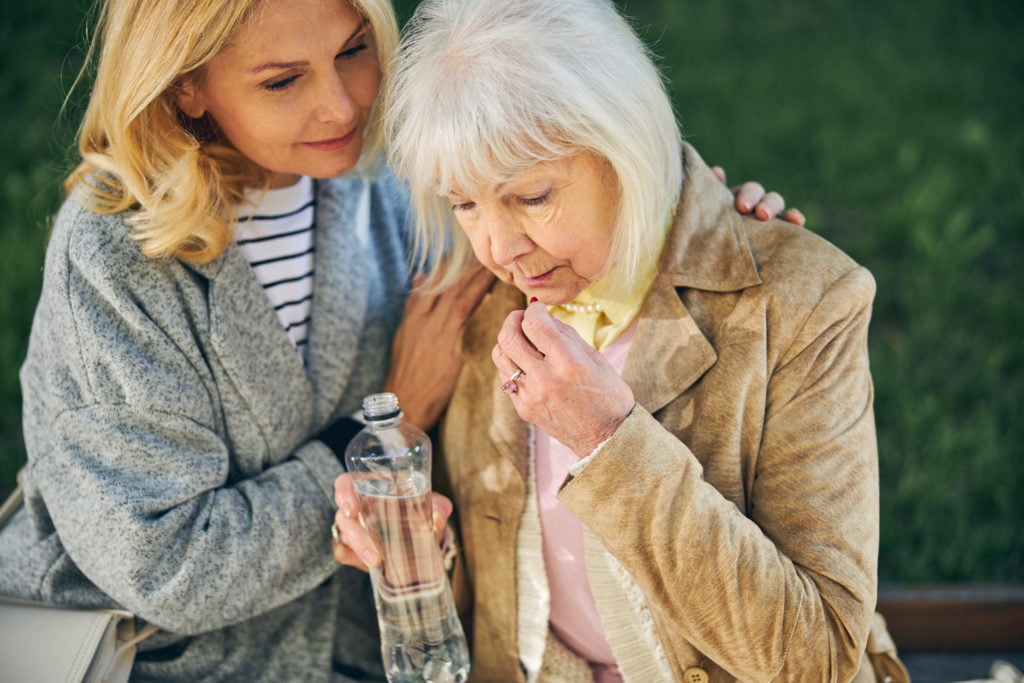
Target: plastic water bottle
<point>421,636</point>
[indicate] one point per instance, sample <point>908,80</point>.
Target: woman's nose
<point>507,240</point>
<point>335,103</point>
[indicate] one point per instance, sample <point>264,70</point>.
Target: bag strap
<point>13,501</point>
<point>144,632</point>
<point>881,651</point>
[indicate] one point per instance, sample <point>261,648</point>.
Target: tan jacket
<point>742,492</point>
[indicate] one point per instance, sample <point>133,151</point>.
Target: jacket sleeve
<point>132,460</point>
<point>785,589</point>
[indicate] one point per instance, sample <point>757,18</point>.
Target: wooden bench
<point>954,618</point>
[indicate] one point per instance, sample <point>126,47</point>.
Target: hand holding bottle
<point>399,525</point>
<point>355,546</point>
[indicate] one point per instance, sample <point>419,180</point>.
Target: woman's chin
<point>547,298</point>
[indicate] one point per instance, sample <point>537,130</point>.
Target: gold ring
<point>335,532</point>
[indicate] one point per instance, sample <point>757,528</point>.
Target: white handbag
<point>47,643</point>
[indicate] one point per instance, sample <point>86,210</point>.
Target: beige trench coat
<point>741,494</point>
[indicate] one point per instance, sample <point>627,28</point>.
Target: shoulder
<point>798,265</point>
<point>94,264</point>
<point>99,246</point>
<point>775,273</point>
<point>82,233</point>
<point>715,248</point>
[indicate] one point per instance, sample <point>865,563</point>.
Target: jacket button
<point>695,674</point>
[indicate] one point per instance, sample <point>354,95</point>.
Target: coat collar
<point>707,249</point>
<point>287,398</point>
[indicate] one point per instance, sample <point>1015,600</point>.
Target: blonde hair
<point>482,90</point>
<point>139,152</point>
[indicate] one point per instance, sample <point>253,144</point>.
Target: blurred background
<point>894,126</point>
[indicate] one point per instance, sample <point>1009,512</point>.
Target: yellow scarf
<point>616,308</point>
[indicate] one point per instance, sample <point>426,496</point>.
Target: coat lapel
<point>669,352</point>
<point>256,353</point>
<point>340,289</point>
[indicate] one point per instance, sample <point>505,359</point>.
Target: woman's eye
<point>276,86</point>
<point>351,52</point>
<point>462,206</point>
<point>534,201</point>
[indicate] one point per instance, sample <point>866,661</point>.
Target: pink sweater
<point>574,616</point>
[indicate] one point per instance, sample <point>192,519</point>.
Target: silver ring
<point>509,386</point>
<point>335,532</point>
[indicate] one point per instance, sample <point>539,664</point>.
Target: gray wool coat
<point>169,424</point>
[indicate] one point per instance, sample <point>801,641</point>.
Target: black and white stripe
<point>276,234</point>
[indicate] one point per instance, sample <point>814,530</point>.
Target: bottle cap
<point>383,406</point>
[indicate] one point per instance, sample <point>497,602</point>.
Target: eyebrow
<point>497,188</point>
<point>363,26</point>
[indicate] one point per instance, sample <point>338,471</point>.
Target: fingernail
<point>532,299</point>
<point>370,558</point>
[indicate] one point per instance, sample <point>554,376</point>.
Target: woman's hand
<point>751,198</point>
<point>567,388</point>
<point>352,543</point>
<point>425,354</point>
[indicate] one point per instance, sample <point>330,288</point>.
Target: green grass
<point>39,46</point>
<point>895,127</point>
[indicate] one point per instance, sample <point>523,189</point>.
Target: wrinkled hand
<point>425,354</point>
<point>355,546</point>
<point>567,388</point>
<point>751,198</point>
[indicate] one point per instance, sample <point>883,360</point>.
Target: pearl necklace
<point>582,308</point>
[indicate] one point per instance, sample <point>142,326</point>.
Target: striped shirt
<point>276,235</point>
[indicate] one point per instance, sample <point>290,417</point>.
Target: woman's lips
<point>333,143</point>
<point>537,280</point>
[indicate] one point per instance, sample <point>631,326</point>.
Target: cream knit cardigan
<point>620,603</point>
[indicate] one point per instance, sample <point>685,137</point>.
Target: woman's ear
<point>188,99</point>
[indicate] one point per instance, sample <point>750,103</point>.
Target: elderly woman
<point>664,468</point>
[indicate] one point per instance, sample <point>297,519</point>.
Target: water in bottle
<point>421,636</point>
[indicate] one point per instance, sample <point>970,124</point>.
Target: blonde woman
<point>221,290</point>
<point>223,286</point>
<point>661,446</point>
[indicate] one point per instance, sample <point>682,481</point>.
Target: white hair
<point>483,89</point>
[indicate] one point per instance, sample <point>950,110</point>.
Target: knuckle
<point>506,337</point>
